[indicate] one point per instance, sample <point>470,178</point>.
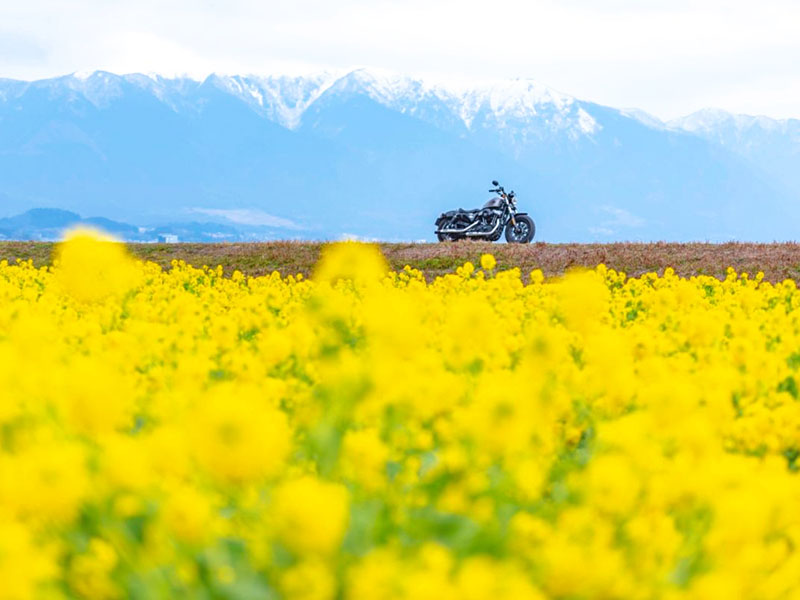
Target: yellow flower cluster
<point>367,435</point>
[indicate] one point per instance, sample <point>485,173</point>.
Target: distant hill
<point>50,224</point>
<point>374,155</point>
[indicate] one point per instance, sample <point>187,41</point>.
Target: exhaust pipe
<point>487,233</point>
<point>465,230</point>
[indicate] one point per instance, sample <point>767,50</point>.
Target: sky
<point>667,57</point>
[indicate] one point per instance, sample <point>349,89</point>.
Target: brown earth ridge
<point>778,261</point>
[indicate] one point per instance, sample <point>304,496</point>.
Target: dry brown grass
<point>777,261</point>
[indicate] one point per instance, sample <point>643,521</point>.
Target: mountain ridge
<point>50,224</point>
<point>505,98</point>
<point>387,86</point>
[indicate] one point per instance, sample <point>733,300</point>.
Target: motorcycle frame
<point>509,213</point>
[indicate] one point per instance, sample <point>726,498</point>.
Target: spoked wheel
<point>444,237</point>
<point>523,232</point>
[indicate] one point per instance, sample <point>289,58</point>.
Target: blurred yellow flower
<point>371,434</point>
<point>92,266</point>
<point>353,261</point>
<point>311,515</point>
<point>310,579</point>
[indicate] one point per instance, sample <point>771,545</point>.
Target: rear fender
<point>446,217</point>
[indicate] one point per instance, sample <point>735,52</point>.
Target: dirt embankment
<point>777,261</point>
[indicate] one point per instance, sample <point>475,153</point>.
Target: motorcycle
<point>488,223</point>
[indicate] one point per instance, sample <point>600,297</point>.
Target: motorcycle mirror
<point>494,182</point>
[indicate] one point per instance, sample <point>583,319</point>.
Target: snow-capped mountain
<point>719,123</point>
<point>771,145</point>
<point>375,154</point>
<point>282,100</point>
<point>497,105</point>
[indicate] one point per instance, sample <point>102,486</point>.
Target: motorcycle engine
<point>487,219</point>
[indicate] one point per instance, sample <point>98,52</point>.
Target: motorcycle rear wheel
<point>523,232</point>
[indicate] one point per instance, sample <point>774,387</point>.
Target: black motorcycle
<point>487,223</point>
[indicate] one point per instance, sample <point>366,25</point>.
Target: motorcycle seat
<point>452,213</point>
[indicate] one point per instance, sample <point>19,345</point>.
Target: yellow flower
<point>23,565</point>
<point>92,266</point>
<point>354,261</point>
<point>375,435</point>
<point>48,481</point>
<point>310,579</point>
<point>238,436</point>
<point>364,458</point>
<point>189,514</point>
<point>91,571</point>
<point>466,270</point>
<point>537,276</point>
<point>311,515</point>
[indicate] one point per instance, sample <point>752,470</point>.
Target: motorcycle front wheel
<point>523,232</point>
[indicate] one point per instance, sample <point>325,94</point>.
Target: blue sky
<point>667,57</point>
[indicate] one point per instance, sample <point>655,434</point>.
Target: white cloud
<point>352,237</point>
<point>621,217</point>
<point>243,216</point>
<point>667,57</point>
<point>601,231</point>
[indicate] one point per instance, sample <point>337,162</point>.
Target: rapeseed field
<point>364,434</point>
